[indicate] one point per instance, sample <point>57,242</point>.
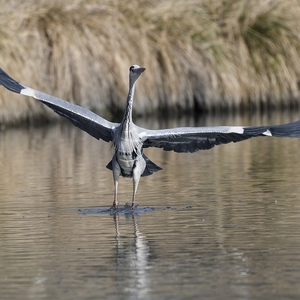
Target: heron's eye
<point>131,68</point>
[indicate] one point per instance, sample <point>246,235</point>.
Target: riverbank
<point>200,55</point>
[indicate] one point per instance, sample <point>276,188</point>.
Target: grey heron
<point>129,140</point>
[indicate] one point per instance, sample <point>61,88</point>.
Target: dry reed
<point>200,54</point>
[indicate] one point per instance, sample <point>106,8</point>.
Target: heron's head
<point>135,72</point>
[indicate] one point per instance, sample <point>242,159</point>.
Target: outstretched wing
<point>81,117</point>
<point>192,139</point>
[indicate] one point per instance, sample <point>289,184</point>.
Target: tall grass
<point>200,54</point>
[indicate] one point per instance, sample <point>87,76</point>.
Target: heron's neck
<point>127,120</point>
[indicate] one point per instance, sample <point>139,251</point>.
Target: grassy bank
<point>200,54</point>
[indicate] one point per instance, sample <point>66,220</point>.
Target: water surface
<point>222,223</point>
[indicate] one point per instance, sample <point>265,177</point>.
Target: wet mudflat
<point>215,224</point>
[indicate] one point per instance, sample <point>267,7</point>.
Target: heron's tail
<point>151,167</point>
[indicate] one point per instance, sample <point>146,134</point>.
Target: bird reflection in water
<point>133,255</point>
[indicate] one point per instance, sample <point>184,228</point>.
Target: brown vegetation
<point>199,54</point>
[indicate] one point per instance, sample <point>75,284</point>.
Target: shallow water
<point>215,224</point>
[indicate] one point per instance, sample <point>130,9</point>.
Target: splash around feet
<point>126,209</point>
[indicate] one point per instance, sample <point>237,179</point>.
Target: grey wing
<point>192,139</point>
<point>81,117</point>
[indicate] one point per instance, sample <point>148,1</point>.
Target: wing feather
<point>81,117</point>
<point>192,139</point>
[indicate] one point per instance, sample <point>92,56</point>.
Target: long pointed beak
<point>139,70</point>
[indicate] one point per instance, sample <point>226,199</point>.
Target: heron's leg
<point>116,183</point>
<point>136,179</point>
<point>136,176</point>
<point>116,175</point>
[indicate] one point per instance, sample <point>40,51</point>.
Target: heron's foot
<point>130,205</point>
<point>134,205</point>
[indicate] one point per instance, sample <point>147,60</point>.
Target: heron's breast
<point>126,162</point>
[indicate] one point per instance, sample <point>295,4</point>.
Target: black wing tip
<point>291,130</point>
<point>10,83</point>
<point>286,130</point>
